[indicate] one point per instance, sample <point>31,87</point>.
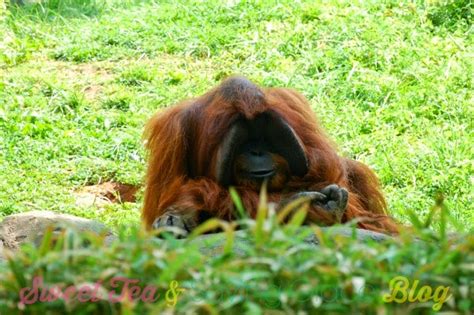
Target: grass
<point>273,272</point>
<point>79,80</point>
<point>391,81</point>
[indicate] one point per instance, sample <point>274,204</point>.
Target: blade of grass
<point>291,207</point>
<point>238,203</point>
<point>212,225</point>
<point>262,212</point>
<point>300,215</point>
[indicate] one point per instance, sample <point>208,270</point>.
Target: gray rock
<point>2,250</point>
<point>213,244</point>
<point>30,227</point>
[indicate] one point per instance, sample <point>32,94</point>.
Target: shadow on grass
<point>452,13</point>
<point>53,9</point>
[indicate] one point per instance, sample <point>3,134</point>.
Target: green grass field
<point>391,81</point>
<point>392,84</point>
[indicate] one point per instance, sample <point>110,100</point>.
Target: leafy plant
<point>266,266</point>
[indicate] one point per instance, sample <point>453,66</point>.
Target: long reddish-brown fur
<point>183,142</point>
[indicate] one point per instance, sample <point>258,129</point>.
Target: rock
<point>213,244</point>
<point>2,257</point>
<point>30,227</point>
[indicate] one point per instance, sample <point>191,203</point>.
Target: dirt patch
<point>91,92</point>
<point>90,78</point>
<point>105,193</point>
